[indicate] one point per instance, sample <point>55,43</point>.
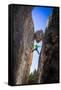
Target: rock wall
<point>22,43</point>
<point>48,67</point>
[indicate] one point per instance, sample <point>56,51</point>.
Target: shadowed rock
<point>48,67</point>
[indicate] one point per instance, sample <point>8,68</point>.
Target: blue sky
<point>39,16</point>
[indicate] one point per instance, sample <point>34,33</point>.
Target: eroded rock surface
<point>22,27</point>
<point>48,68</point>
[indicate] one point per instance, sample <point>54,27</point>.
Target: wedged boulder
<point>38,35</point>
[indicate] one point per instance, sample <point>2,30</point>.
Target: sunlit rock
<point>23,33</point>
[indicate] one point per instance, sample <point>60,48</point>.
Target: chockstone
<point>38,36</point>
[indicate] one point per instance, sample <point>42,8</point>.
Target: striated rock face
<point>22,43</point>
<point>48,68</point>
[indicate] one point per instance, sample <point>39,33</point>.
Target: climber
<point>36,48</point>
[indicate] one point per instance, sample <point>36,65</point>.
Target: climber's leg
<point>37,51</point>
<point>33,50</point>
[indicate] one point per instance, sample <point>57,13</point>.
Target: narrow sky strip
<point>40,16</point>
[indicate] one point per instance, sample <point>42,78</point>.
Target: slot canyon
<point>22,46</point>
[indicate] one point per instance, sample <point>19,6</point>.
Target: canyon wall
<point>48,67</point>
<point>22,43</point>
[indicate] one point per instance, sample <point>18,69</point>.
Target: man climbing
<point>36,48</point>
